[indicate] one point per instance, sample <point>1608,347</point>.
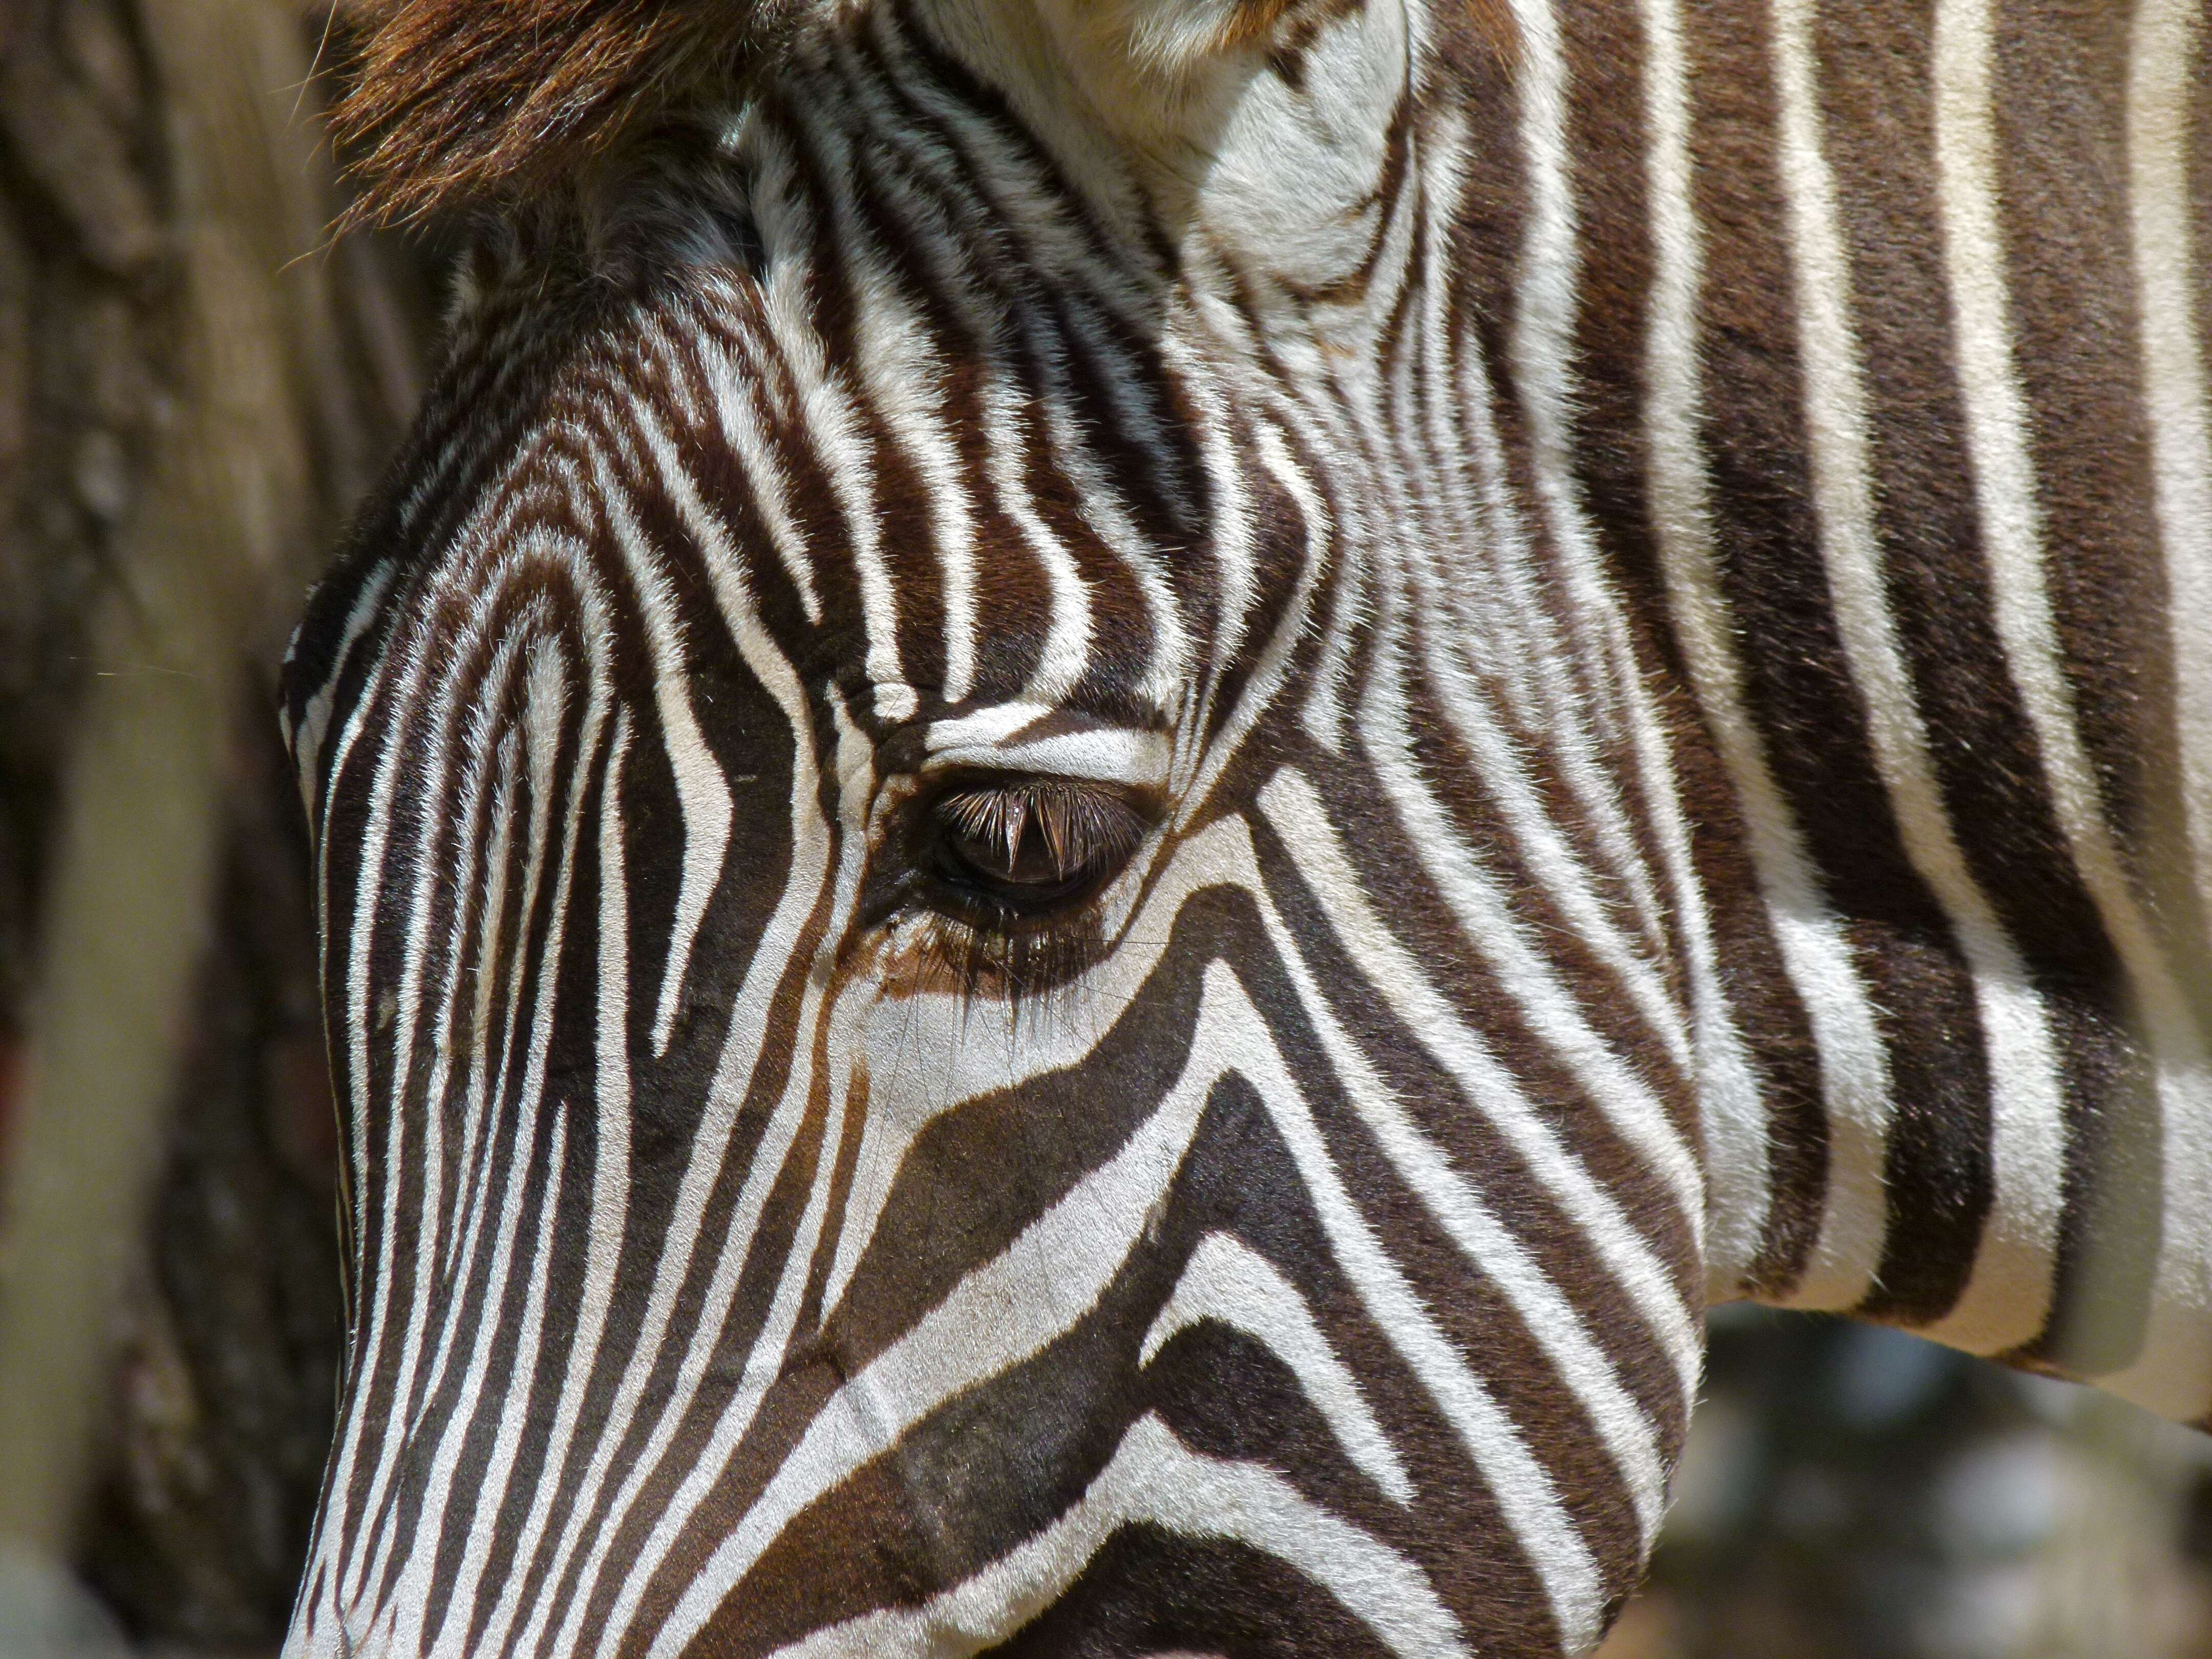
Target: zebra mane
<point>454,101</point>
<point>451,101</point>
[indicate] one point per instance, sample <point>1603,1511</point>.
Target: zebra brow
<point>1043,740</point>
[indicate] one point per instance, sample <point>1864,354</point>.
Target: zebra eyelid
<point>1089,829</point>
<point>991,740</point>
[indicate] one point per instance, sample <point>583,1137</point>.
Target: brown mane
<point>450,102</point>
<point>455,100</point>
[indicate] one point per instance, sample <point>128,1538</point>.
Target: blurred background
<point>1852,1492</point>
<point>194,385</point>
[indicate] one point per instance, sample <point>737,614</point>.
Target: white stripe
<point>1542,348</point>
<point>1530,1504</point>
<point>736,404</point>
<point>704,1465</point>
<point>702,793</point>
<point>1056,1269</point>
<point>1490,1246</point>
<point>611,1176</point>
<point>1230,533</point>
<point>2007,1298</point>
<point>485,855</point>
<point>1270,672</point>
<point>991,739</point>
<point>1154,1480</point>
<point>546,699</point>
<point>1444,563</point>
<point>2163,77</point>
<point>2174,1372</point>
<point>488,1492</point>
<point>409,1596</point>
<point>1815,955</point>
<point>1464,464</point>
<point>2162,80</point>
<point>369,897</point>
<point>1089,297</point>
<point>902,377</point>
<point>1488,921</point>
<point>1067,649</point>
<point>497,969</point>
<point>1549,692</point>
<point>1505,775</point>
<point>1294,810</point>
<point>742,1049</point>
<point>826,414</point>
<point>756,434</point>
<point>306,741</point>
<point>996,1316</point>
<point>1227,1282</point>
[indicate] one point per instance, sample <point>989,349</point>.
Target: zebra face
<point>921,890</point>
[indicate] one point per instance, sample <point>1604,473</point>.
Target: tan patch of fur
<point>1254,21</point>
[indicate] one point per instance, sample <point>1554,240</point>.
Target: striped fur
<point>1648,573</point>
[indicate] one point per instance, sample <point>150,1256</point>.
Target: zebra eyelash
<point>986,929</point>
<point>1078,832</point>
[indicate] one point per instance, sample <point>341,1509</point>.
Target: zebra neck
<point>1874,446</point>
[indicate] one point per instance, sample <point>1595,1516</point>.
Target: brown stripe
<point>1797,681</point>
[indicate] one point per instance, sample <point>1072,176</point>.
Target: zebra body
<point>1114,789</point>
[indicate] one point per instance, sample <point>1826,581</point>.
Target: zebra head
<point>1005,924</point>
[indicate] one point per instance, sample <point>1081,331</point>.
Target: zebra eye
<point>1036,844</point>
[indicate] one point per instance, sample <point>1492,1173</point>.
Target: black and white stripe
<point>1646,566</point>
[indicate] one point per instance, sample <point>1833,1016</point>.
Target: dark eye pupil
<point>1033,843</point>
<point>1028,863</point>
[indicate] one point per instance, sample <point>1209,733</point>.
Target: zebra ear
<point>455,100</point>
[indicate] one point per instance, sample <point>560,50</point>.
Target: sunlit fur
<point>1592,610</point>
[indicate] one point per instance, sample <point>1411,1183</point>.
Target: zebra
<point>1114,788</point>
